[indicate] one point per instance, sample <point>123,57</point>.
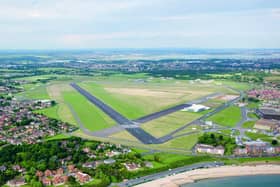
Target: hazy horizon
<point>110,24</point>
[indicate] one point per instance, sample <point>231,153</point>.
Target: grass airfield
<point>133,96</point>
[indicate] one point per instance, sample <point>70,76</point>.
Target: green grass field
<point>34,91</point>
<point>124,135</point>
<point>255,136</point>
<point>166,124</point>
<point>91,117</point>
<point>51,112</point>
<point>248,124</point>
<point>237,85</point>
<point>134,99</point>
<point>133,95</point>
<point>58,137</point>
<point>229,117</point>
<point>129,106</point>
<point>183,142</point>
<point>188,129</point>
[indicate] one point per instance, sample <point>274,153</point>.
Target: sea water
<point>242,181</point>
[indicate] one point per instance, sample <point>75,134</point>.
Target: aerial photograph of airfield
<point>81,118</point>
<point>157,113</point>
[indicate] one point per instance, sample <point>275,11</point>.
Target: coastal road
<point>169,172</point>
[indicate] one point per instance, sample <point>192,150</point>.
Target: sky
<point>88,24</point>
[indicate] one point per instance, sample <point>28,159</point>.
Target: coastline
<point>211,173</point>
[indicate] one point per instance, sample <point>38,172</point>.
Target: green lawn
<point>34,91</point>
<point>253,116</point>
<point>167,160</point>
<point>183,142</point>
<point>124,135</point>
<point>229,117</point>
<point>50,112</point>
<point>255,136</point>
<point>249,124</point>
<point>166,124</point>
<point>191,128</point>
<point>129,106</point>
<point>58,137</point>
<point>135,100</point>
<point>237,85</point>
<point>91,116</point>
<point>253,104</point>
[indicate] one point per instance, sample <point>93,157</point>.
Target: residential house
<point>132,166</point>
<point>209,149</point>
<point>82,177</point>
<point>109,161</point>
<point>266,124</point>
<point>16,182</point>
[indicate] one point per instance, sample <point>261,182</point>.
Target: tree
<point>53,103</point>
<point>72,182</point>
<point>156,158</point>
<point>274,142</point>
<point>35,183</point>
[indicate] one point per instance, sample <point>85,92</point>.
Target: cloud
<point>65,9</point>
<point>275,12</point>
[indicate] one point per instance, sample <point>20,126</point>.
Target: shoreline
<point>212,173</point>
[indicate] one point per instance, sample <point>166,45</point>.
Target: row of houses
<point>268,125</point>
<point>209,149</point>
<point>257,148</point>
<point>61,176</point>
<point>264,94</point>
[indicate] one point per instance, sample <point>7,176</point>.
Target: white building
<point>196,108</point>
<point>203,148</point>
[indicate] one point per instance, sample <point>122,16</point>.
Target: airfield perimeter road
<point>136,131</point>
<point>169,172</point>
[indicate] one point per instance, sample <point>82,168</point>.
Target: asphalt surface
<point>169,172</point>
<point>167,111</point>
<point>143,136</point>
<point>130,126</point>
<point>161,113</point>
<point>121,120</point>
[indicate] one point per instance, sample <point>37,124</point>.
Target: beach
<point>211,173</point>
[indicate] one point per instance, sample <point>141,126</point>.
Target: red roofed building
<point>82,177</point>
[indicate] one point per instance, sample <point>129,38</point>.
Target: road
<point>163,174</point>
<point>133,127</point>
<point>161,113</point>
<point>120,119</point>
<point>167,111</point>
<point>130,126</point>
